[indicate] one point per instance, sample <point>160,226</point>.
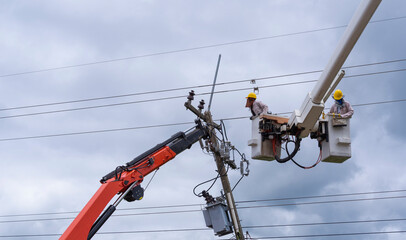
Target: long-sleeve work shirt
<point>345,109</point>
<point>258,108</point>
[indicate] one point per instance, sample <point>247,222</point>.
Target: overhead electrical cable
<point>323,202</point>
<point>327,223</point>
<point>199,86</point>
<point>199,210</point>
<point>93,107</point>
<point>301,236</point>
<point>188,49</point>
<point>183,96</point>
<point>199,229</point>
<point>207,229</point>
<point>31,235</point>
<point>166,125</point>
<point>119,209</point>
<point>239,202</point>
<point>323,196</point>
<point>326,235</point>
<point>100,131</point>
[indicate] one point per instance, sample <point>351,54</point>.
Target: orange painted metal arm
<point>80,227</point>
<point>124,179</point>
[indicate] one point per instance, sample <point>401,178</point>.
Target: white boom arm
<point>313,105</point>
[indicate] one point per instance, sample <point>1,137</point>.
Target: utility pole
<point>215,148</point>
<point>239,234</point>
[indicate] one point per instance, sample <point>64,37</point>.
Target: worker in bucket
<point>340,106</point>
<point>257,107</point>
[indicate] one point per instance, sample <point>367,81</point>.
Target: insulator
<point>201,105</point>
<point>208,197</point>
<point>191,95</point>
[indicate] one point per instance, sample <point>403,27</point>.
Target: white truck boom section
<point>307,116</point>
<point>271,134</point>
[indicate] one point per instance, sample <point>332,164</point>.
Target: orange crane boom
<point>125,180</point>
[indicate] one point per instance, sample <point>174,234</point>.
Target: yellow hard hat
<point>252,95</point>
<point>338,94</point>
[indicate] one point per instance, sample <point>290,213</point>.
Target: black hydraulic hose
<point>290,155</point>
<point>143,156</point>
<point>178,143</point>
<point>101,220</point>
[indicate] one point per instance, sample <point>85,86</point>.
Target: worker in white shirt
<point>257,107</point>
<point>340,106</point>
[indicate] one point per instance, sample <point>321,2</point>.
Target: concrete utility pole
<point>215,148</point>
<point>239,234</point>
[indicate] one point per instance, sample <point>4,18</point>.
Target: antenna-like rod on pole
<point>214,83</point>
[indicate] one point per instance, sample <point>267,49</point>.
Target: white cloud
<point>61,173</point>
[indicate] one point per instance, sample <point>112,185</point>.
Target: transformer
<point>216,217</point>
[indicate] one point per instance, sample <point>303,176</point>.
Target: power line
<point>96,131</point>
<point>275,237</point>
<point>208,229</point>
<point>92,107</point>
<point>31,235</point>
<point>194,211</point>
<point>329,235</point>
<point>120,209</point>
<point>261,226</point>
<point>324,196</point>
<point>376,103</point>
<point>182,96</point>
<point>239,202</point>
<point>116,215</point>
<point>322,202</point>
<point>189,49</point>
<point>156,231</point>
<point>327,223</point>
<point>202,86</point>
<point>164,125</point>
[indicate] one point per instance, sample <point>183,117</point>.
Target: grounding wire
<point>207,181</point>
<point>239,180</point>
<point>194,87</point>
<point>182,96</point>
<point>189,49</point>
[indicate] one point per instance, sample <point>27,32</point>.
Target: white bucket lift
<point>335,140</point>
<point>333,134</point>
<point>263,144</point>
<point>336,147</point>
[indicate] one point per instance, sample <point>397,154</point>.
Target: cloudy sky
<point>54,148</point>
